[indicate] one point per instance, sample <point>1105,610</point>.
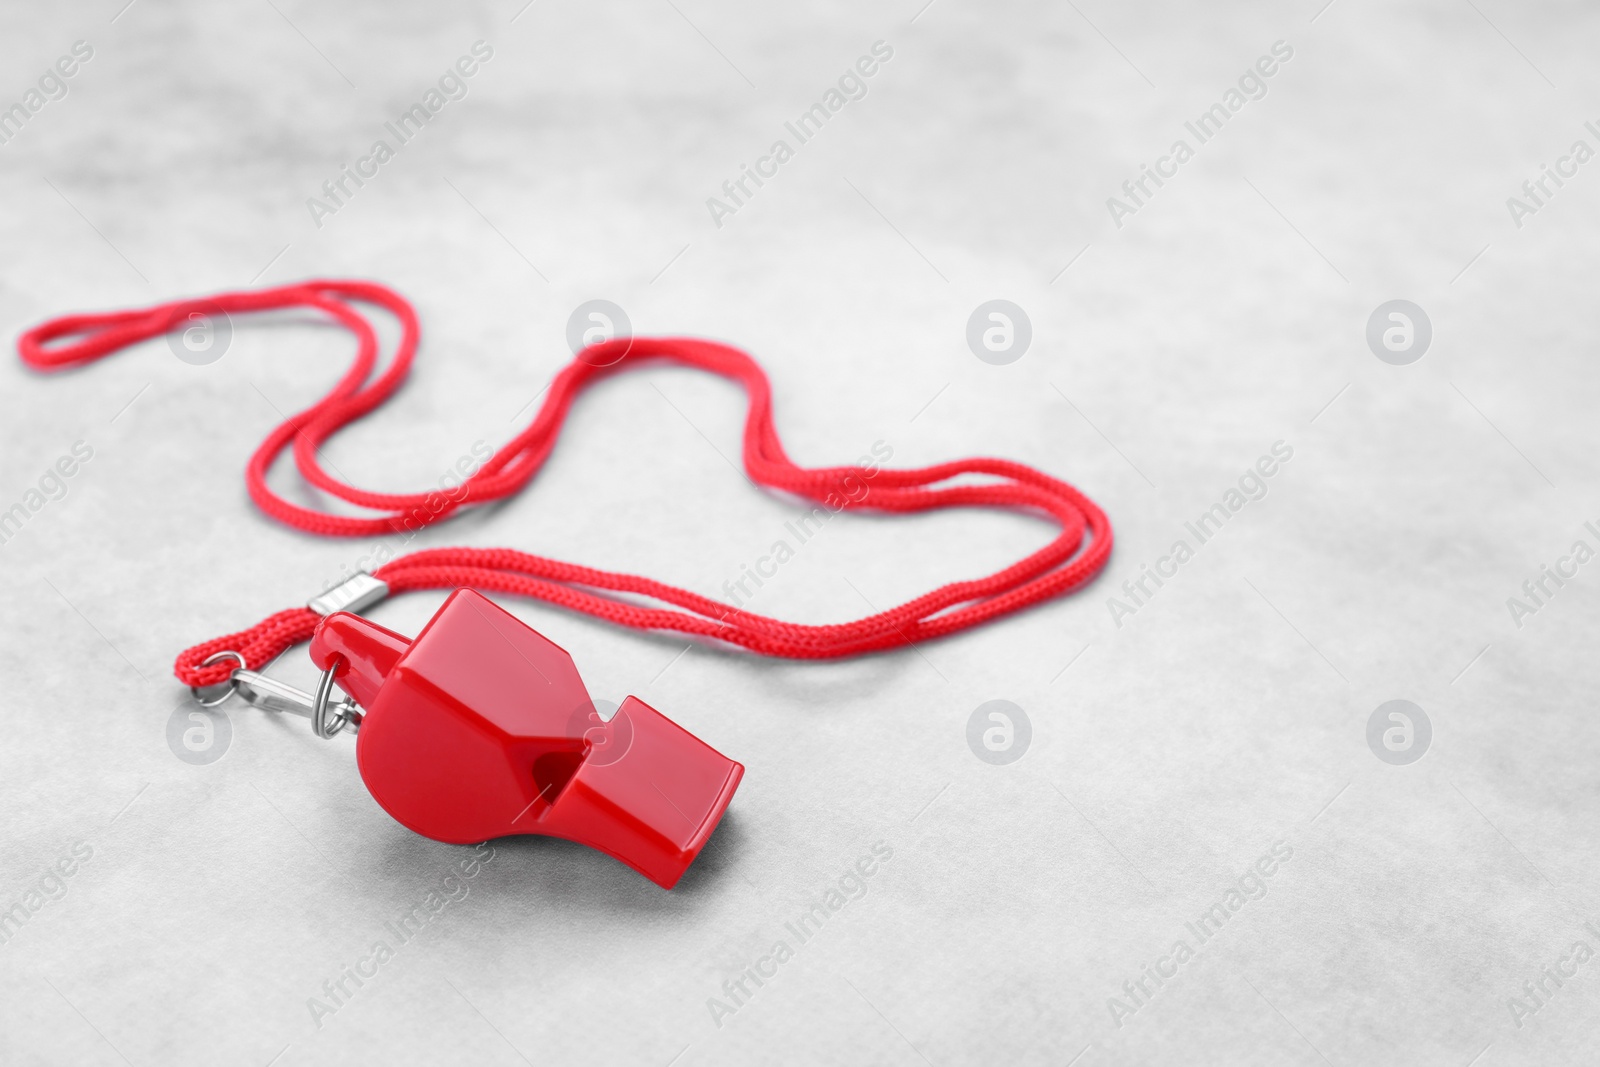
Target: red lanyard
<point>1056,568</point>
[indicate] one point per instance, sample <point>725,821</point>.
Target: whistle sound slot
<point>551,773</point>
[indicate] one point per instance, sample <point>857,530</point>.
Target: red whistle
<point>481,727</point>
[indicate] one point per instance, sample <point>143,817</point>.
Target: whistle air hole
<point>551,773</point>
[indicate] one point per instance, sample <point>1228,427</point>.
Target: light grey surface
<point>1228,714</point>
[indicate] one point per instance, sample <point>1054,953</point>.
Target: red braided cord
<point>1054,569</point>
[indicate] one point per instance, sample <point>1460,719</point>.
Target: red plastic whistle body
<point>481,727</point>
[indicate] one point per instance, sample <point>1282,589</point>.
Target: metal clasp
<point>327,717</point>
<point>355,594</point>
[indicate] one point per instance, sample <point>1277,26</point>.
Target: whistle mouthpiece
<point>480,727</point>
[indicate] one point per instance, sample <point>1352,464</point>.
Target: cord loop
<point>1075,556</point>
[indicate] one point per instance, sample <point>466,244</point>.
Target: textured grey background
<point>1227,715</point>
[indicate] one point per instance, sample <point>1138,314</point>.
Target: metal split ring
<point>231,684</point>
<point>326,720</point>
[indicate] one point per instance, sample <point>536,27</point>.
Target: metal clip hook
<point>327,717</point>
